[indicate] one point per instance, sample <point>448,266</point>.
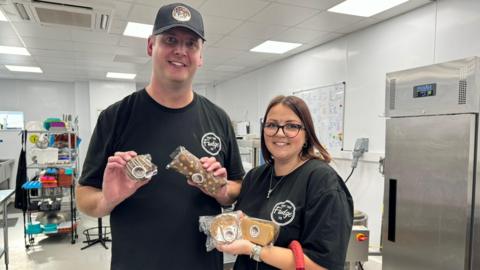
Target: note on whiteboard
<point>326,104</point>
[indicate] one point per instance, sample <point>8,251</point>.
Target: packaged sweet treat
<point>221,229</point>
<point>141,168</point>
<point>259,231</point>
<point>189,165</point>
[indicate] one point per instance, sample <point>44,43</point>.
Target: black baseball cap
<point>178,15</point>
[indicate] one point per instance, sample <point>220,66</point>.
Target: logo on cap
<point>181,13</point>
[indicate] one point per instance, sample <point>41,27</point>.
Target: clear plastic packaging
<point>221,229</point>
<point>189,165</point>
<point>228,227</point>
<point>259,231</point>
<point>141,168</point>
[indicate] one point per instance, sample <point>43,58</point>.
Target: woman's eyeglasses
<point>290,130</point>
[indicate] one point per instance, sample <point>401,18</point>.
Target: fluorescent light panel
<point>24,69</point>
<point>13,50</point>
<point>139,30</point>
<point>2,17</point>
<point>277,47</point>
<point>117,75</point>
<point>365,8</point>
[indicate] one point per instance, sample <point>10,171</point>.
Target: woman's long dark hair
<point>300,108</point>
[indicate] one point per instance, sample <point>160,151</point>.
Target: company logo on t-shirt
<point>283,213</point>
<point>211,143</point>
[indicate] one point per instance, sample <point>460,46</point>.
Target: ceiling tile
<point>92,48</point>
<point>142,14</point>
<point>6,29</point>
<point>94,37</point>
<point>29,29</point>
<point>329,22</point>
<point>232,8</point>
<point>402,8</point>
<point>299,35</point>
<point>316,4</point>
<point>238,43</point>
<point>139,44</point>
<point>11,41</point>
<point>52,53</point>
<point>48,44</point>
<point>250,59</point>
<point>212,38</point>
<point>89,56</point>
<point>282,14</point>
<point>257,30</point>
<point>122,10</point>
<point>218,25</point>
<point>118,26</point>
<point>54,60</point>
<point>232,28</point>
<point>21,60</point>
<point>156,3</point>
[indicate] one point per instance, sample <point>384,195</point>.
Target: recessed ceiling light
<point>139,30</point>
<point>2,17</point>
<point>13,50</point>
<point>24,69</point>
<point>365,8</point>
<point>277,47</point>
<point>116,75</point>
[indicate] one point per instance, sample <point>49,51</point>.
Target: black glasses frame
<point>297,126</point>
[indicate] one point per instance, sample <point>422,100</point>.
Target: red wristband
<point>297,254</point>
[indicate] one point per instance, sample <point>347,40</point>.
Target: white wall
<point>105,93</point>
<point>37,99</point>
<point>441,31</point>
<point>40,100</point>
<point>82,108</point>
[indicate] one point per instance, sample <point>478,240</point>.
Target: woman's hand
<point>238,247</point>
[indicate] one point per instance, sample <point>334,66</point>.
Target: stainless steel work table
<point>4,195</point>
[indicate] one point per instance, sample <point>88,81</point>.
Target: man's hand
<point>117,186</point>
<point>224,195</point>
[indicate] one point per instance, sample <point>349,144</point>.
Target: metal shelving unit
<point>51,206</point>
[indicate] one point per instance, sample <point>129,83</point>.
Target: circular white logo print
<point>181,13</point>
<point>283,213</point>
<point>211,143</point>
<point>198,178</point>
<point>254,231</point>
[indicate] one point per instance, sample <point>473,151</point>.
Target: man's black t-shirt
<point>311,204</point>
<point>157,227</point>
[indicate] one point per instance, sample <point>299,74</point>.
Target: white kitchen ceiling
<point>233,27</point>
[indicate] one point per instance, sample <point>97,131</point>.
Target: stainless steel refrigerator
<point>432,192</point>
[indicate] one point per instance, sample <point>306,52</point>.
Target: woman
<point>297,190</point>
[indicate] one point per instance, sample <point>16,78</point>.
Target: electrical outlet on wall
<point>361,146</point>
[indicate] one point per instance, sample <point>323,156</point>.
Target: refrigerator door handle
<point>392,209</point>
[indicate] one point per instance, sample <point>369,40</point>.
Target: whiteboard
<point>326,104</point>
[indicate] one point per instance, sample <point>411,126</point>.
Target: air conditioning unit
<point>84,14</point>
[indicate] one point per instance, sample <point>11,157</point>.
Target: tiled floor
<point>57,253</point>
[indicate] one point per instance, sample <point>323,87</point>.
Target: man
<point>154,224</point>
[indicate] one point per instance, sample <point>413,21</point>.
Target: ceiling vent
<point>81,14</point>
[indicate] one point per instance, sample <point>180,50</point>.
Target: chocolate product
<point>224,228</point>
<point>189,165</point>
<point>259,231</point>
<point>141,168</point>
